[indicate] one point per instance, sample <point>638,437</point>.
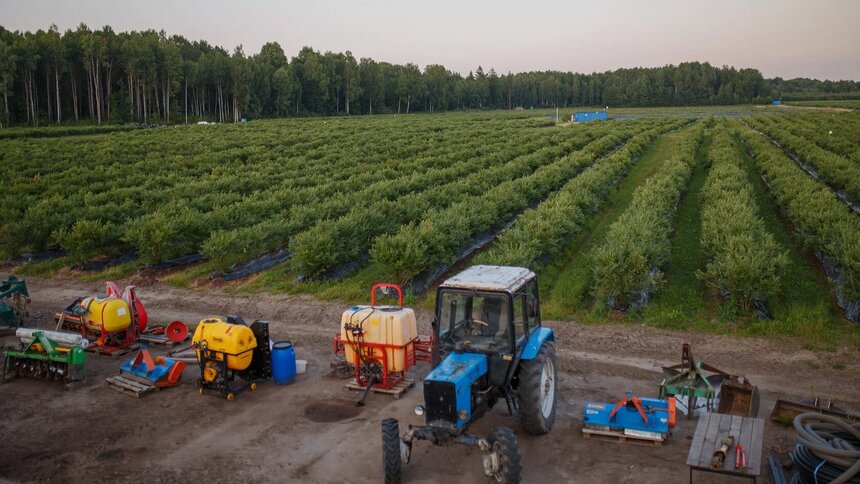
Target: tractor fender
<point>536,340</point>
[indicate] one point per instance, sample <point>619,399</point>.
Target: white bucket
<point>301,366</point>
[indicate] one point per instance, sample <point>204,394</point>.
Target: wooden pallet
<point>396,391</point>
<point>160,339</point>
<point>129,386</point>
<point>621,437</point>
<point>97,350</point>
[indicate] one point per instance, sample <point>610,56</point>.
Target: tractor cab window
<point>479,320</point>
<point>520,315</point>
<point>531,300</point>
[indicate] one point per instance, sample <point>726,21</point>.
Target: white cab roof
<point>491,278</point>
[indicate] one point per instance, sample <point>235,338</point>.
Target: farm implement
<point>46,355</point>
<point>645,419</point>
<point>112,323</point>
<point>229,349</point>
<point>144,374</point>
<point>382,344</point>
<point>697,386</point>
<point>14,299</point>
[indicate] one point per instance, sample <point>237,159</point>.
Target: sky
<point>785,38</point>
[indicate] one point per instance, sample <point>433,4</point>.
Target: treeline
<point>804,89</point>
<point>103,76</point>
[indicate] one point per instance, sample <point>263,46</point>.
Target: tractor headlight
<point>419,410</point>
<point>463,415</point>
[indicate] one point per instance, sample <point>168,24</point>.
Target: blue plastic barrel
<point>283,362</point>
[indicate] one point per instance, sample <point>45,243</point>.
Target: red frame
<point>386,284</point>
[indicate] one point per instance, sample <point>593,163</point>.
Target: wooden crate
<point>396,391</point>
<point>129,386</point>
<point>621,437</point>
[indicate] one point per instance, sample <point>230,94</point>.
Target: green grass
<point>566,281</point>
<point>44,269</point>
<point>681,302</point>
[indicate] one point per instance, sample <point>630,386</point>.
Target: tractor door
<point>526,313</point>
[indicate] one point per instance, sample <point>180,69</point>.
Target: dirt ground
<point>310,431</point>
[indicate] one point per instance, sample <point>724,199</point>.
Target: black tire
<point>391,451</point>
<point>504,444</point>
<point>536,417</point>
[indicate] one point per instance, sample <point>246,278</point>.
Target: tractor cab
<point>490,310</point>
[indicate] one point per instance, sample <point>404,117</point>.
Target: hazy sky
<point>787,38</point>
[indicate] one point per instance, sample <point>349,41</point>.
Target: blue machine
<point>637,417</point>
<point>777,102</point>
<point>158,372</point>
<point>451,381</point>
<point>586,116</point>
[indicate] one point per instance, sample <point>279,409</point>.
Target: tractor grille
<point>440,400</point>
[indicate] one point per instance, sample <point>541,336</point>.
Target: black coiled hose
<point>827,450</point>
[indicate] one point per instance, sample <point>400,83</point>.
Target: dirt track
<point>311,432</point>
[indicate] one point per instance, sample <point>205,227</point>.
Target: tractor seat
<point>491,313</point>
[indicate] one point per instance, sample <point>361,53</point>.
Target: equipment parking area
<point>311,430</point>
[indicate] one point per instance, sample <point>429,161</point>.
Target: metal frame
<point>415,350</point>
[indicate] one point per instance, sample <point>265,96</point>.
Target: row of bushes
<point>638,243</point>
<point>53,183</point>
<point>837,171</point>
<point>542,231</point>
<point>825,223</point>
<point>828,132</point>
<point>335,241</point>
<point>742,256</point>
<point>356,205</point>
<point>442,232</point>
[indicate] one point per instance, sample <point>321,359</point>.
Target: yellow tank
<point>110,312</point>
<point>380,324</point>
<point>236,341</point>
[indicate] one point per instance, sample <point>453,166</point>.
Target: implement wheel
<point>538,389</point>
<point>391,451</point>
<point>504,466</point>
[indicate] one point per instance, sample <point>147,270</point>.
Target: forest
<point>102,76</point>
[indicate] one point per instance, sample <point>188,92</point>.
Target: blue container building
<point>586,116</point>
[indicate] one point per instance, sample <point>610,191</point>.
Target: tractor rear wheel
<point>391,451</point>
<point>506,456</point>
<point>537,390</point>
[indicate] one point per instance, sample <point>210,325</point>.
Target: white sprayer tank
<point>391,325</point>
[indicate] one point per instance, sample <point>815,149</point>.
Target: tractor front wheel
<point>391,451</point>
<point>537,390</point>
<point>504,465</point>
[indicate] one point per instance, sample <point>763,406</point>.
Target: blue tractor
<point>489,346</point>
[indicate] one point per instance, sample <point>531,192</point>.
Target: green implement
<point>689,380</point>
<point>14,300</point>
<point>43,358</point>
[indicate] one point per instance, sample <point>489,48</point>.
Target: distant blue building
<point>585,116</point>
<point>777,102</point>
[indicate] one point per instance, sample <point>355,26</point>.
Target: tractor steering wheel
<point>467,327</point>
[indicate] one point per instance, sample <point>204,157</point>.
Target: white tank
<point>390,325</point>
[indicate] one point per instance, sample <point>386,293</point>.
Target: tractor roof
<point>491,278</point>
